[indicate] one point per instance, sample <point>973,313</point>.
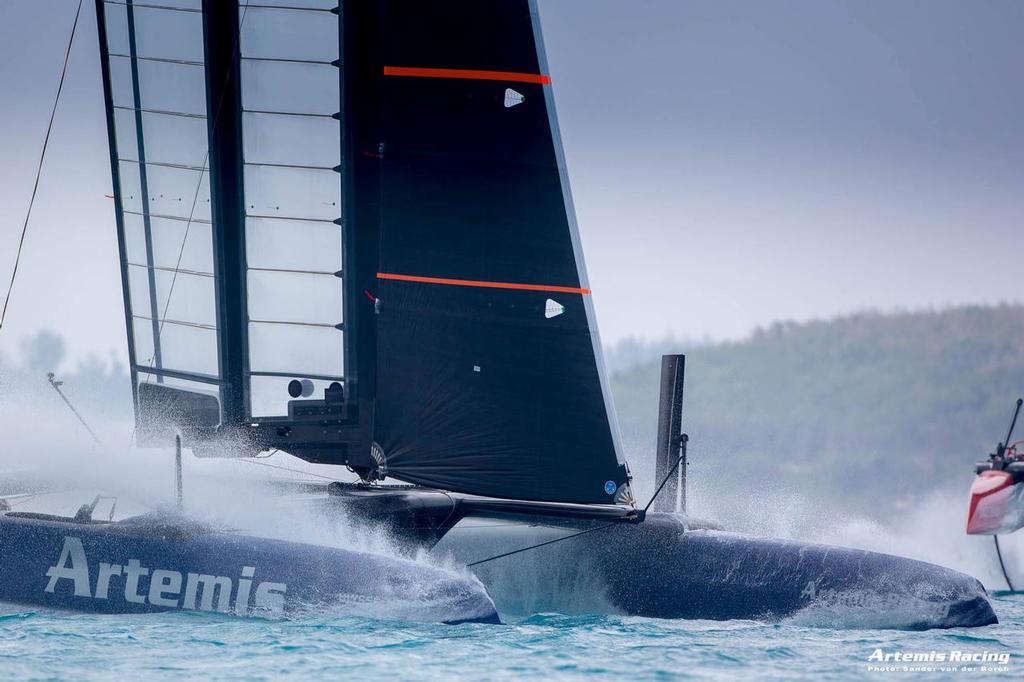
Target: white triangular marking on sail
<point>513,98</point>
<point>553,309</point>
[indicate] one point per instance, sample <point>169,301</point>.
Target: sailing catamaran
<point>996,505</point>
<point>346,233</point>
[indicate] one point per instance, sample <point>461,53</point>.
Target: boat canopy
<point>346,232</point>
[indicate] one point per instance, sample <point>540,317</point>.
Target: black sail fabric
<point>489,377</point>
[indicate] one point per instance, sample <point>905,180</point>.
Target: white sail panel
<point>279,33</point>
<point>189,348</point>
<point>292,153</point>
<point>192,301</point>
<point>165,86</point>
<point>175,244</point>
<point>155,58</point>
<point>116,24</point>
<point>292,193</point>
<point>298,140</point>
<point>296,350</point>
<point>178,193</point>
<point>305,245</point>
<point>309,298</point>
<point>181,140</point>
<point>166,33</point>
<point>126,134</point>
<point>290,87</point>
<point>142,335</point>
<point>298,4</point>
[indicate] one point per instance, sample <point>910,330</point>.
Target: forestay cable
<point>39,169</point>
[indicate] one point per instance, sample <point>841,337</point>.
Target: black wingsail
<point>350,238</point>
<point>488,370</point>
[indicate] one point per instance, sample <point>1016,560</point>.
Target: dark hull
<point>659,569</point>
<point>165,564</point>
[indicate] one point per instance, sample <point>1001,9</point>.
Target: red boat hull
<point>996,505</point>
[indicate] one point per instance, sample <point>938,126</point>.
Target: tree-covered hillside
<point>866,410</point>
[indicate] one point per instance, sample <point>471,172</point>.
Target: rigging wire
<point>543,544</point>
<point>588,530</point>
<point>251,460</point>
<point>39,169</point>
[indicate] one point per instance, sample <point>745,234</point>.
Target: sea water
<point>36,646</point>
<point>814,645</point>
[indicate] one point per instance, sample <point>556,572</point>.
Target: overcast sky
<point>733,163</point>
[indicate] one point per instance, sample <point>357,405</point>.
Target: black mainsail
<point>379,265</point>
<point>488,374</point>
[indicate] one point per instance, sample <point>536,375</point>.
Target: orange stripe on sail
<point>470,74</point>
<point>483,284</point>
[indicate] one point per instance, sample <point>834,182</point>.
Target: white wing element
<point>553,309</point>
<point>513,98</point>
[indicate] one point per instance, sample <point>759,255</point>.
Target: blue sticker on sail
<point>610,487</point>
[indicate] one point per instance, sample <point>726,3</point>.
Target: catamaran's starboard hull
<point>138,568</point>
<point>658,569</point>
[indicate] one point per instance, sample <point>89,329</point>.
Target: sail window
<point>293,34</point>
<point>294,297</point>
<point>174,139</point>
<point>163,86</point>
<point>181,246</point>
<point>299,140</point>
<point>168,33</point>
<point>189,348</point>
<point>296,350</point>
<point>116,24</point>
<point>155,56</point>
<point>188,336</point>
<point>292,87</point>
<point>299,193</point>
<point>303,245</point>
<point>173,192</point>
<point>126,134</point>
<point>175,244</point>
<point>192,302</point>
<point>326,5</point>
<point>292,154</point>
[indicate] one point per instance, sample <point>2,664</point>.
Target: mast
<point>361,142</point>
<point>224,122</point>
